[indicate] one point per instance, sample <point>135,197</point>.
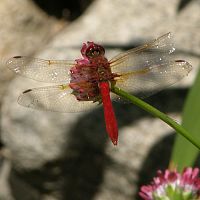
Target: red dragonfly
<point>86,82</point>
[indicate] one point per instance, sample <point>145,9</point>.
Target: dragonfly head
<point>92,50</point>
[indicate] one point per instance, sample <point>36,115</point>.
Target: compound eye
<point>92,53</point>
<point>95,52</point>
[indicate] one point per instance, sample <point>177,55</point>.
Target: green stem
<point>155,112</point>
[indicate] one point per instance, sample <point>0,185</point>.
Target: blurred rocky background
<point>56,156</point>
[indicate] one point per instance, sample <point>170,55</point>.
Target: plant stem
<point>155,112</point>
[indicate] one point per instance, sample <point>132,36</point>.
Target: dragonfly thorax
<point>86,76</point>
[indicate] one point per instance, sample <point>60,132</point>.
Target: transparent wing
<point>54,98</point>
<point>152,79</point>
<point>148,68</point>
<point>153,53</point>
<point>52,71</point>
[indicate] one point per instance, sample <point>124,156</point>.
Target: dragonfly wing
<point>54,98</point>
<point>52,71</point>
<point>152,79</point>
<point>152,53</point>
<point>148,68</point>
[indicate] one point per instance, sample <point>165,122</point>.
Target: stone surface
<point>5,192</point>
<point>69,156</point>
<point>25,29</point>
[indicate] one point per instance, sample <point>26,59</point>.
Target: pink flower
<point>172,185</point>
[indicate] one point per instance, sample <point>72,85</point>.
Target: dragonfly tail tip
<point>114,142</point>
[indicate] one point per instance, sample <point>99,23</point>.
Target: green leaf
<point>184,153</point>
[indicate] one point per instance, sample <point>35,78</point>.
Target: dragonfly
<point>86,82</point>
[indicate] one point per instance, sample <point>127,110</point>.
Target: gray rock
<point>25,29</point>
<point>69,156</point>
